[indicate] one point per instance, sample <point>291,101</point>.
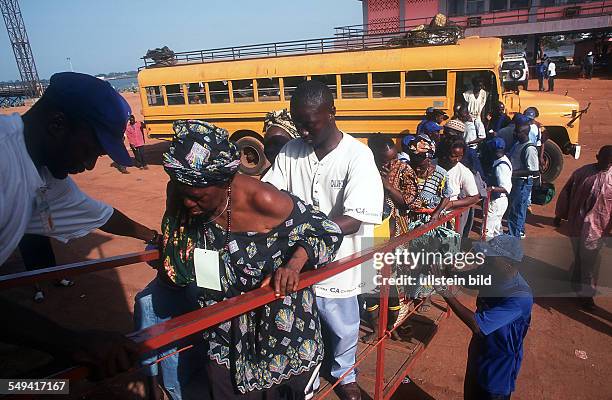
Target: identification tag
<point>206,264</point>
<point>44,210</point>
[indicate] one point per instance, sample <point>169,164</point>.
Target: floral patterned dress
<point>267,346</point>
<point>431,191</point>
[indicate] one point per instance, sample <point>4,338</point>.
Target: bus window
<point>354,86</point>
<point>154,96</point>
<point>196,93</point>
<point>329,80</point>
<point>385,84</point>
<point>291,83</point>
<point>268,89</point>
<point>426,83</point>
<point>243,91</point>
<point>174,93</point>
<point>219,92</point>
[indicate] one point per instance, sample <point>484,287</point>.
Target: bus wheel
<point>252,158</point>
<point>553,161</point>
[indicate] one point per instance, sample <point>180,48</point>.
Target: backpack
<point>524,154</point>
<point>543,194</point>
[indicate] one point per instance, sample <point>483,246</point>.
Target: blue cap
<point>520,119</point>
<point>497,143</point>
<point>96,103</point>
<point>407,139</point>
<point>501,246</point>
<point>531,113</point>
<point>431,127</point>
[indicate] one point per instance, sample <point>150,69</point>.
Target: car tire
<point>553,161</point>
<point>252,157</point>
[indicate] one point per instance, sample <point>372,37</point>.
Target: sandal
<point>39,296</point>
<point>64,283</point>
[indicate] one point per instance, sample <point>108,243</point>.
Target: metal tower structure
<point>21,47</point>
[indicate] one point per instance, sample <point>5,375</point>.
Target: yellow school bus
<point>378,88</point>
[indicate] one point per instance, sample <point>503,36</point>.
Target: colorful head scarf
<point>421,144</point>
<point>281,119</point>
<point>201,154</point>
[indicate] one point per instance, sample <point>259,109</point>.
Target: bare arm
<point>465,314</point>
<point>441,207</point>
<point>466,201</point>
<point>120,224</point>
<point>348,225</point>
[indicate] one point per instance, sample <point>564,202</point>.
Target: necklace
<point>227,202</point>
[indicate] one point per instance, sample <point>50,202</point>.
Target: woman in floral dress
<point>260,236</point>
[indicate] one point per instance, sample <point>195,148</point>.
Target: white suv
<point>515,71</point>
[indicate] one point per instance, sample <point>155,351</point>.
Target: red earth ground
<point>551,369</point>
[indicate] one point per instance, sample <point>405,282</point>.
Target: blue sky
<point>111,35</point>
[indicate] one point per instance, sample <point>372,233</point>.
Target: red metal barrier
<point>193,322</point>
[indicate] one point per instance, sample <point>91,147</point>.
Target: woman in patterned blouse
<point>431,200</point>
<point>261,236</point>
<point>400,184</point>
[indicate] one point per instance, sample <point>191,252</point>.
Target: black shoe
<point>587,303</point>
<point>371,321</point>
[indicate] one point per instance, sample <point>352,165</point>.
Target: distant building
<point>500,18</point>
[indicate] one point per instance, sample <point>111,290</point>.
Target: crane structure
<point>21,47</point>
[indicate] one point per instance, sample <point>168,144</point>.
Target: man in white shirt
<point>476,98</point>
<point>474,132</point>
<point>461,181</point>
<point>551,72</point>
<point>500,186</point>
<point>78,119</point>
<point>337,175</point>
<point>525,168</point>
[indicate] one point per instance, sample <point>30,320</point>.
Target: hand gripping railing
<point>170,331</point>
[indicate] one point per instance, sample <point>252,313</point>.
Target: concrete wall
<point>384,16</point>
<point>421,8</point>
<point>543,27</point>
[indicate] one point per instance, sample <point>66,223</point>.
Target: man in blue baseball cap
<point>501,320</point>
<point>78,119</point>
<point>499,183</point>
<point>525,169</point>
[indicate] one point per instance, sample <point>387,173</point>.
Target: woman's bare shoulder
<point>267,199</point>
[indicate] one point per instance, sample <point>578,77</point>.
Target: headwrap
<point>421,144</point>
<point>200,154</point>
<point>281,119</point>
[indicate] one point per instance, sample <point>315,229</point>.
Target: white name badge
<point>206,264</point>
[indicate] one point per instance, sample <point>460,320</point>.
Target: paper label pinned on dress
<point>206,264</point>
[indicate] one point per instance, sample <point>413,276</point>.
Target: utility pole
<point>21,47</point>
<point>70,63</point>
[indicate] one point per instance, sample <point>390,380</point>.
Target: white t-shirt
<point>72,212</point>
<point>503,173</point>
<point>552,69</point>
<point>461,182</point>
<point>345,182</point>
<point>535,136</point>
<point>475,104</point>
<point>474,130</point>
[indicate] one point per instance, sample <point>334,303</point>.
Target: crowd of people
<point>224,234</point>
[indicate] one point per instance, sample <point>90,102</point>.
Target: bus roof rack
<point>427,36</point>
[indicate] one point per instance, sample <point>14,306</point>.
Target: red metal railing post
<point>485,210</point>
<point>458,223</point>
<point>382,333</point>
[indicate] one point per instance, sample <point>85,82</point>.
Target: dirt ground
<point>551,368</point>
